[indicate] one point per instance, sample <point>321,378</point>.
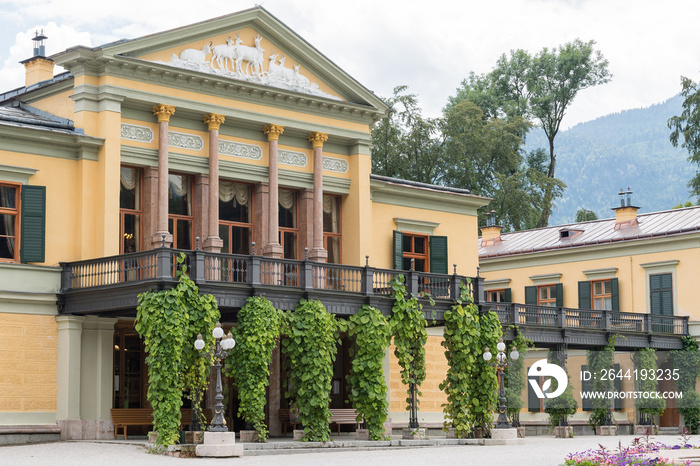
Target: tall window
<point>416,247</point>
<point>288,226</point>
<point>130,210</point>
<point>180,217</point>
<point>235,217</point>
<point>661,294</point>
<point>331,228</point>
<point>547,295</point>
<point>9,221</point>
<point>601,295</point>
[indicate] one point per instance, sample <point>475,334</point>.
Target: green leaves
<point>368,394</point>
<point>687,125</point>
<point>309,364</point>
<point>470,383</point>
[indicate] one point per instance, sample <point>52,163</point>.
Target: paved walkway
<point>536,451</point>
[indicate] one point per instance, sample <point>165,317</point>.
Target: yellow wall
<point>27,363</point>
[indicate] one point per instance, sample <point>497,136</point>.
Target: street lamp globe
<point>218,332</point>
<point>501,346</point>
<point>487,355</point>
<point>514,355</point>
<point>199,343</point>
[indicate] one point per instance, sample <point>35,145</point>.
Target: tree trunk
<point>548,194</point>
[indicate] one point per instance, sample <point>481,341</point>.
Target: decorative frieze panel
<point>297,159</point>
<point>238,149</point>
<point>137,133</point>
<point>332,164</point>
<point>185,141</point>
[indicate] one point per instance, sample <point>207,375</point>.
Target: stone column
<point>318,253</point>
<point>213,243</point>
<point>273,247</point>
<point>68,342</point>
<point>97,378</point>
<point>163,112</point>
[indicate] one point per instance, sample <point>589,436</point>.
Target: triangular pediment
<point>251,46</point>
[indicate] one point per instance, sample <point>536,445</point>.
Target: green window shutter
<point>615,288</point>
<point>507,296</point>
<point>531,295</point>
<point>661,294</point>
<point>533,402</point>
<point>398,250</point>
<point>584,295</point>
<point>33,224</point>
<point>560,294</point>
<point>438,254</point>
<point>586,386</point>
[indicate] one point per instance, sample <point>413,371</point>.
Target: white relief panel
<point>185,141</point>
<point>238,149</point>
<point>136,133</point>
<point>332,164</point>
<point>288,157</point>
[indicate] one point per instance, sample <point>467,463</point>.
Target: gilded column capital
<point>214,121</point>
<point>317,139</point>
<point>273,132</point>
<point>163,112</point>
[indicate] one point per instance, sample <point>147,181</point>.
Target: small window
<point>9,222</point>
<point>415,247</point>
<point>288,227</point>
<point>331,228</point>
<point>130,209</point>
<point>496,296</point>
<point>235,217</point>
<point>180,217</point>
<point>601,295</point>
<point>547,295</point>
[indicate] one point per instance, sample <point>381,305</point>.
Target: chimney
<point>38,68</point>
<point>626,213</point>
<point>491,233</point>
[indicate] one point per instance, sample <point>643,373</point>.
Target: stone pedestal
<point>606,430</point>
<point>564,432</point>
<point>298,434</point>
<point>640,429</point>
<point>451,433</point>
<point>504,437</point>
<point>194,436</point>
<point>219,445</point>
<point>250,436</point>
<point>521,432</point>
<point>414,434</point>
<point>362,434</point>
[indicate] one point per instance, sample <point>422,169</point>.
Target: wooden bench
<point>124,417</point>
<point>338,417</point>
<point>344,416</point>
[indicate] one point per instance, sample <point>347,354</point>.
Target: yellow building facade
<point>232,140</point>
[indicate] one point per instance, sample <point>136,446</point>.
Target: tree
<point>585,215</point>
<point>543,86</point>
<point>688,126</point>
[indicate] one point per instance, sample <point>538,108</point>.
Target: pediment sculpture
<point>234,60</point>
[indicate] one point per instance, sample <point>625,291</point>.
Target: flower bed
<point>640,452</point>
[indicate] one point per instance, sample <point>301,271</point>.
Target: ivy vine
<point>471,384</point>
<point>410,336</point>
<point>310,347</point>
<point>368,391</point>
<point>599,361</point>
<point>687,361</point>
<point>563,406</point>
<point>515,378</point>
<point>256,336</point>
<point>646,360</point>
<point>168,321</point>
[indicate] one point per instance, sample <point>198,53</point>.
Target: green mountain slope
<point>631,148</point>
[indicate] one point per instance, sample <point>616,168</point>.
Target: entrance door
<point>670,417</point>
<point>130,373</point>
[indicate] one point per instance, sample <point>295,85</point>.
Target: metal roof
<point>28,117</point>
<point>596,232</point>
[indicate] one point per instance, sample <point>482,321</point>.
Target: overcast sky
<point>428,45</point>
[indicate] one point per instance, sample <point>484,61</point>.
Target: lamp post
<point>500,364</point>
<point>224,344</point>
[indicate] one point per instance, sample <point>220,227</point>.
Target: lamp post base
<point>219,445</point>
<point>504,437</point>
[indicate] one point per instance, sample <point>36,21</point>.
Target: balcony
<point>110,287</point>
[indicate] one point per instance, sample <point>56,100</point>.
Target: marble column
<point>213,243</point>
<point>68,366</point>
<point>273,248</point>
<point>318,253</point>
<point>163,112</point>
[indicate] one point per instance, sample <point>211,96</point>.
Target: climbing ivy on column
<point>310,347</point>
<point>598,361</point>
<point>646,363</point>
<point>256,336</point>
<point>408,329</point>
<point>687,363</point>
<point>515,378</point>
<point>368,394</point>
<point>166,322</point>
